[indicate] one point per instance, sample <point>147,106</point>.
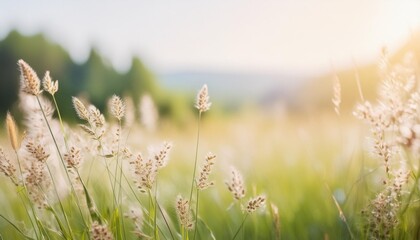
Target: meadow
<point>343,174</point>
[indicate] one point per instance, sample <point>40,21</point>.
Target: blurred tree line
<point>94,80</point>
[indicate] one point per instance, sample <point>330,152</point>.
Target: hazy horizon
<point>270,37</point>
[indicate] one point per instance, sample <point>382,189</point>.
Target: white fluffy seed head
<point>202,103</point>
<point>50,86</point>
<point>117,107</point>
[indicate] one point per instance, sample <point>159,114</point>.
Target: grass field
<point>317,176</point>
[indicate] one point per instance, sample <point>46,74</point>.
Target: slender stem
<point>183,232</point>
<point>114,186</point>
<point>340,211</point>
<point>240,227</point>
<point>109,173</point>
<point>21,196</point>
<point>59,202</point>
<point>196,215</point>
<point>118,191</point>
<point>61,121</point>
<point>146,212</point>
<point>196,156</point>
<point>67,148</point>
<point>26,195</point>
<point>166,221</point>
<point>61,158</point>
<point>416,179</point>
<point>15,227</point>
<point>156,234</point>
<point>151,208</point>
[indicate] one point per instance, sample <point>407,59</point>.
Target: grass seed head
<point>202,103</point>
<point>37,151</point>
<point>73,158</point>
<point>336,100</point>
<point>100,232</point>
<point>7,168</point>
<point>80,108</point>
<point>96,119</point>
<point>30,82</point>
<point>117,107</point>
<point>203,179</point>
<point>12,131</point>
<point>236,185</point>
<point>255,203</point>
<point>50,86</point>
<point>183,212</point>
<point>161,157</point>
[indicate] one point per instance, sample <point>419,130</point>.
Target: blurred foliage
<point>94,79</point>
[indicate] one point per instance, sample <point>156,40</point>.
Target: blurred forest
<point>94,80</point>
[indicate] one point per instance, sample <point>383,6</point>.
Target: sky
<point>220,35</point>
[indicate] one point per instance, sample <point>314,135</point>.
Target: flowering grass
<point>250,176</point>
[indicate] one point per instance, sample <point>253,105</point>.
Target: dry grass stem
<point>276,220</point>
<point>336,100</point>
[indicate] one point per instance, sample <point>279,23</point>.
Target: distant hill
<point>317,93</point>
<point>94,79</point>
<point>236,88</point>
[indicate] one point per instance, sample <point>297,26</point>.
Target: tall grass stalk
<point>17,228</point>
<point>55,220</point>
<point>61,158</point>
<point>60,204</point>
<point>196,156</point>
<point>240,226</point>
<point>25,191</point>
<point>340,211</point>
<point>196,214</point>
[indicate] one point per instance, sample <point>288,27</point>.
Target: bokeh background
<point>270,68</point>
<point>276,53</point>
